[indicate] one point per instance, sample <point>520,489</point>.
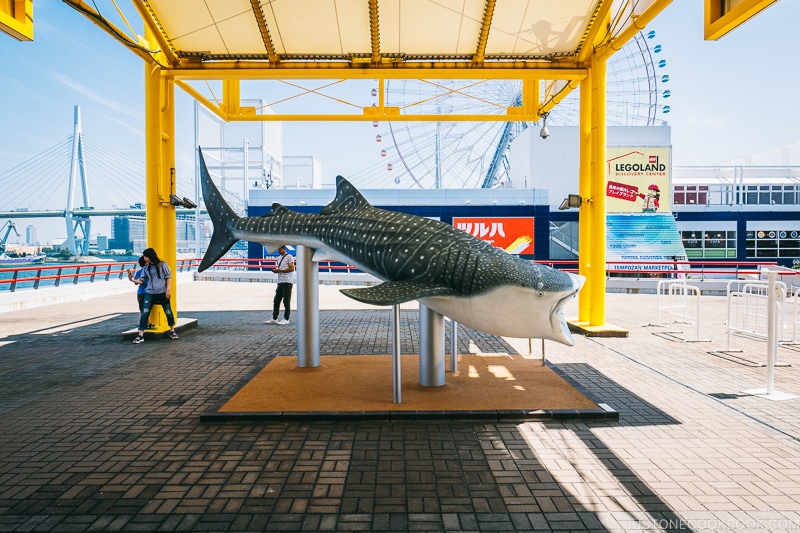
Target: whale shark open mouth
<point>557,314</point>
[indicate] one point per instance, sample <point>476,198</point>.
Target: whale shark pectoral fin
<point>272,246</point>
<point>395,292</point>
<point>322,255</point>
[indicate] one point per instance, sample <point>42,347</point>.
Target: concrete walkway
<point>97,434</point>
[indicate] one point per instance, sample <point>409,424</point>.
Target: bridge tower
<point>78,226</point>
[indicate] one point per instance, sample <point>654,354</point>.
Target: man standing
<point>284,270</point>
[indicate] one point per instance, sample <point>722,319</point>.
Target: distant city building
<point>130,233</point>
<point>120,234</point>
<point>31,237</point>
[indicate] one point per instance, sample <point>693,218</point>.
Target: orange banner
<point>512,234</point>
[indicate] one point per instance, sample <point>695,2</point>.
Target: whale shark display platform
<point>444,268</point>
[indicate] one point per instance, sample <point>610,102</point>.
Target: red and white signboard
<point>622,191</point>
<point>512,234</point>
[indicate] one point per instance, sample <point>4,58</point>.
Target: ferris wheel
<point>475,154</point>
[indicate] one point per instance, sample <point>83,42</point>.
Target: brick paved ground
<point>97,434</point>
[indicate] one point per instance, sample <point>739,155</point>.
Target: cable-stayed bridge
<point>56,183</point>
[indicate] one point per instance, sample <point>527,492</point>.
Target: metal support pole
<point>307,308</point>
<point>160,174</point>
<point>596,209</point>
<point>431,348</point>
<point>397,384</point>
<point>585,230</point>
<point>453,346</point>
<point>772,332</point>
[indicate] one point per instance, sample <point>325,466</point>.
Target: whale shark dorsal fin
<point>347,199</point>
<point>222,216</point>
<point>396,292</point>
<point>277,209</point>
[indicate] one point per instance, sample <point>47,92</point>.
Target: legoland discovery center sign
<point>638,180</point>
<point>640,226</point>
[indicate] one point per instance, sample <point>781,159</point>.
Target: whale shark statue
<point>444,268</point>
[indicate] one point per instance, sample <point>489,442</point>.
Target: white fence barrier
<point>681,302</point>
<point>773,294</point>
<point>748,308</point>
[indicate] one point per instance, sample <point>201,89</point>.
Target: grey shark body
<point>444,268</point>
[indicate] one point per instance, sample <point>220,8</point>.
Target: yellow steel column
<point>585,191</point>
<point>597,207</point>
<point>168,180</point>
<point>231,96</point>
<point>592,217</point>
<point>160,163</point>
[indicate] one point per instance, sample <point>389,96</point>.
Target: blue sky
<point>729,98</point>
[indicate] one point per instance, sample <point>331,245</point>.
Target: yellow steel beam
<point>16,19</point>
<point>262,27</point>
<point>211,106</point>
<point>255,70</point>
<point>598,24</point>
<point>529,112</point>
<point>554,100</point>
<point>483,36</point>
<point>156,34</point>
<point>139,48</point>
<point>638,23</point>
<point>606,50</point>
<point>248,115</point>
<point>374,32</point>
<point>718,22</point>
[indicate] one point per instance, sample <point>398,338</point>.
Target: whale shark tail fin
<point>347,199</point>
<point>222,216</point>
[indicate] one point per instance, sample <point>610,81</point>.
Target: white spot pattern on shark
<point>445,268</point>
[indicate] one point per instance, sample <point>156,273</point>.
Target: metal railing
<point>269,263</point>
<point>54,275</point>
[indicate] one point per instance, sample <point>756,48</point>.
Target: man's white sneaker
<point>271,321</point>
<point>282,322</point>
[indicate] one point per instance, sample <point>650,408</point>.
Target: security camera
<point>545,133</point>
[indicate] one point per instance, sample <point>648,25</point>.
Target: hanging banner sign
<point>512,234</point>
<point>638,180</point>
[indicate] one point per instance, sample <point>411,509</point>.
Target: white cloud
<point>94,96</point>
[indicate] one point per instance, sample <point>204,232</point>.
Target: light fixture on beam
<point>572,200</point>
<point>185,202</point>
